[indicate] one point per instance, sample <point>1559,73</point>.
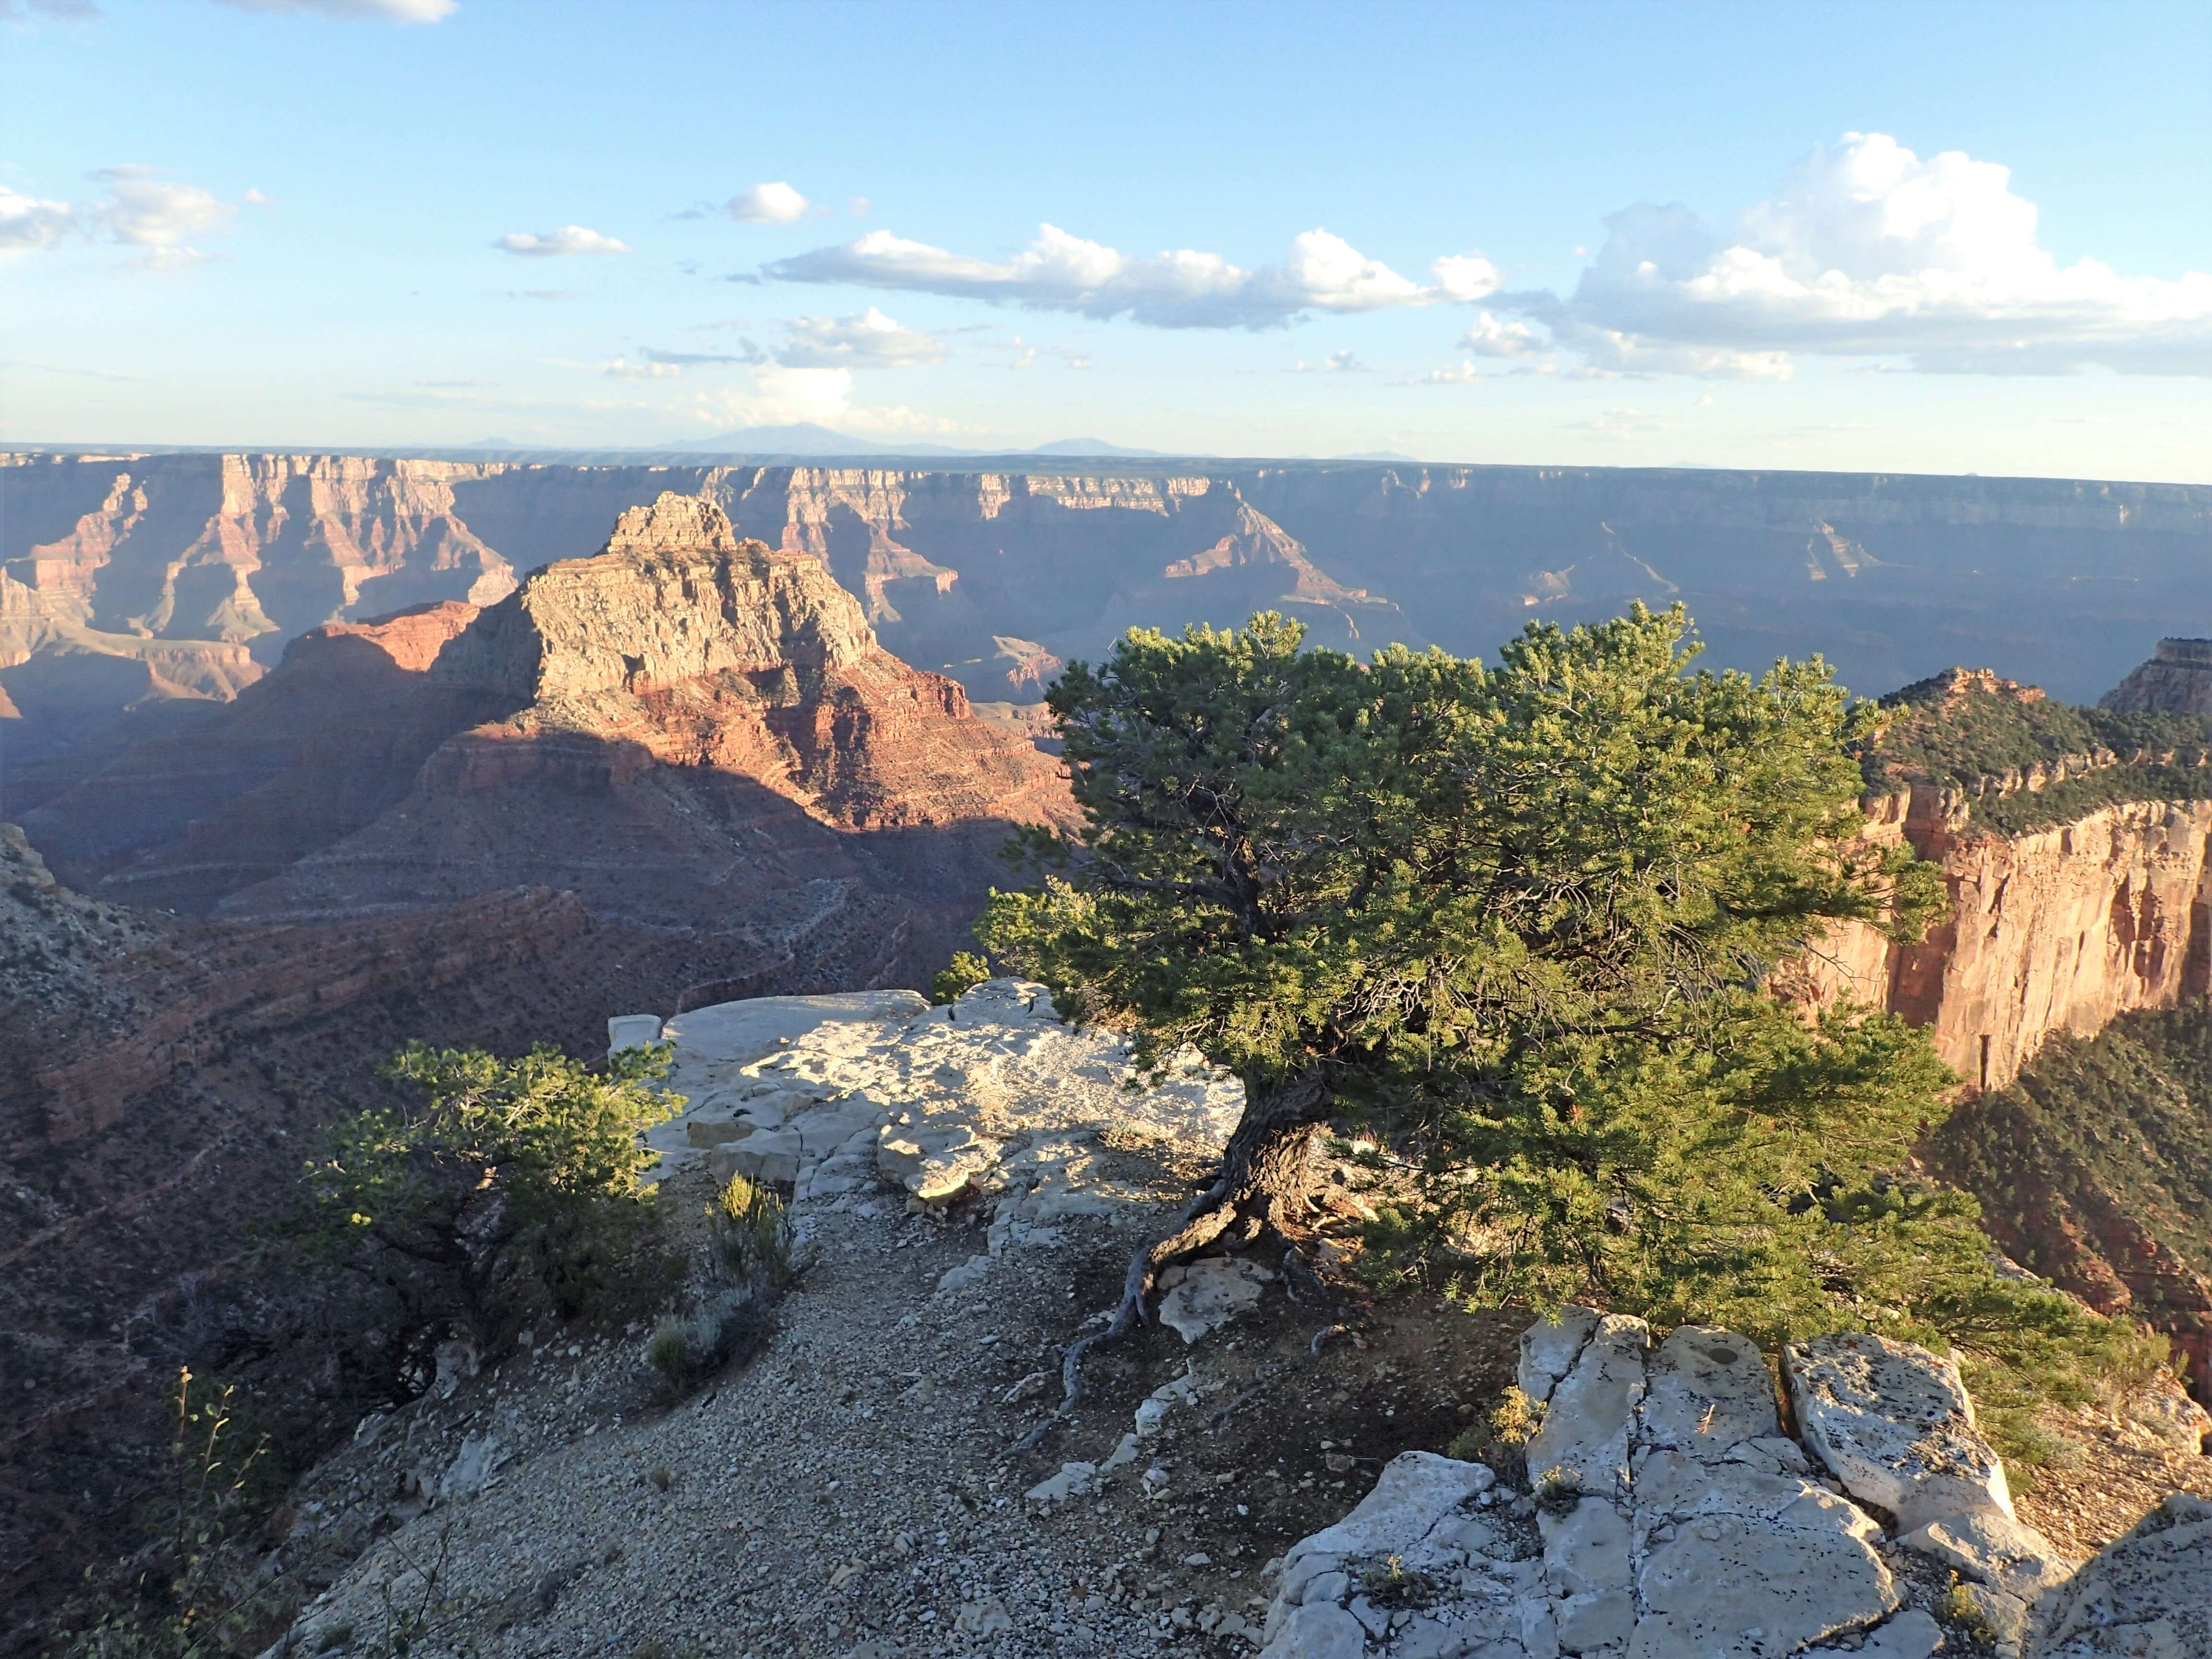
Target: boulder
<point>1993,1550</point>
<point>2148,1594</point>
<point>1894,1423</point>
<point>1207,1294</point>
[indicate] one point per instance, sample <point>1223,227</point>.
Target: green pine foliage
<point>1963,731</point>
<point>1522,917</point>
<point>512,1182</point>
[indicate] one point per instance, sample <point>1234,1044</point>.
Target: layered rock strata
<point>2177,680</point>
<point>687,730</point>
<point>1887,576</point>
<point>2053,930</point>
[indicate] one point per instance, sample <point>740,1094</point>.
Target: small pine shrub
<point>961,974</point>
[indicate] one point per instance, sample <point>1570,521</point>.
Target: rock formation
<point>2054,930</point>
<point>1890,576</point>
<point>697,735</point>
<point>2177,680</point>
<point>1673,1516</point>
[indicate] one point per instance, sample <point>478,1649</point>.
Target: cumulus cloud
<point>1868,249</point>
<point>141,209</point>
<point>29,222</point>
<point>556,244</point>
<point>1463,374</point>
<point>1489,337</point>
<point>144,210</point>
<point>651,369</point>
<point>767,204</point>
<point>1337,362</point>
<point>1183,289</point>
<point>867,340</point>
<point>376,11</point>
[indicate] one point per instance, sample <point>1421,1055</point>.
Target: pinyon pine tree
<point>1527,916</point>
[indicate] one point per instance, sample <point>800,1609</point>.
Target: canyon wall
<point>2048,931</point>
<point>981,573</point>
<point>2177,680</point>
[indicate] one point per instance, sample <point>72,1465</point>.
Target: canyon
<point>312,755</point>
<point>128,579</point>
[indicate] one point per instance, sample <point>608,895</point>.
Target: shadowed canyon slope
<point>677,771</point>
<point>697,736</point>
<point>126,577</point>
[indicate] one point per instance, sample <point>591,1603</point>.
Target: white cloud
<point>28,222</point>
<point>380,11</point>
<point>783,396</point>
<point>768,204</point>
<point>144,210</point>
<point>140,210</point>
<point>1338,362</point>
<point>1466,373</point>
<point>1489,337</point>
<point>867,340</point>
<point>553,244</point>
<point>1183,289</point>
<point>652,369</point>
<point>1867,250</point>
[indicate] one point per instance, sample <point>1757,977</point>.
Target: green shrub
<point>691,1350</point>
<point>515,1183</point>
<point>963,973</point>
<point>751,1233</point>
<point>1501,1439</point>
<point>195,1593</point>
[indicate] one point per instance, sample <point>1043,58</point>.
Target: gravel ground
<point>853,1491</point>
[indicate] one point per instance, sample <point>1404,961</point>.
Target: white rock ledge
<point>1693,1527</point>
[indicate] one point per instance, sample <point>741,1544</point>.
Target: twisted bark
<point>1262,1185</point>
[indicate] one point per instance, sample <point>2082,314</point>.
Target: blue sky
<point>1934,238</point>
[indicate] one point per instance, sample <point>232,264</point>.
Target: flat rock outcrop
<point>1693,1525</point>
<point>990,1097</point>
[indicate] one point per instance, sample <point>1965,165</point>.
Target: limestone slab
<point>2147,1594</point>
<point>1708,1392</point>
<point>1895,1424</point>
<point>1549,1348</point>
<point>1590,1416</point>
<point>1207,1294</point>
<point>1995,1550</point>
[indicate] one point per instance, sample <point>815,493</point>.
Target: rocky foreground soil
<point>874,1482</point>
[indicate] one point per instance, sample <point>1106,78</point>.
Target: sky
<point>1929,237</point>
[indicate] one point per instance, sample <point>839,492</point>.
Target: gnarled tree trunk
<point>1266,1173</point>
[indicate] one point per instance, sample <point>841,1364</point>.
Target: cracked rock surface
<point>1674,1519</point>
